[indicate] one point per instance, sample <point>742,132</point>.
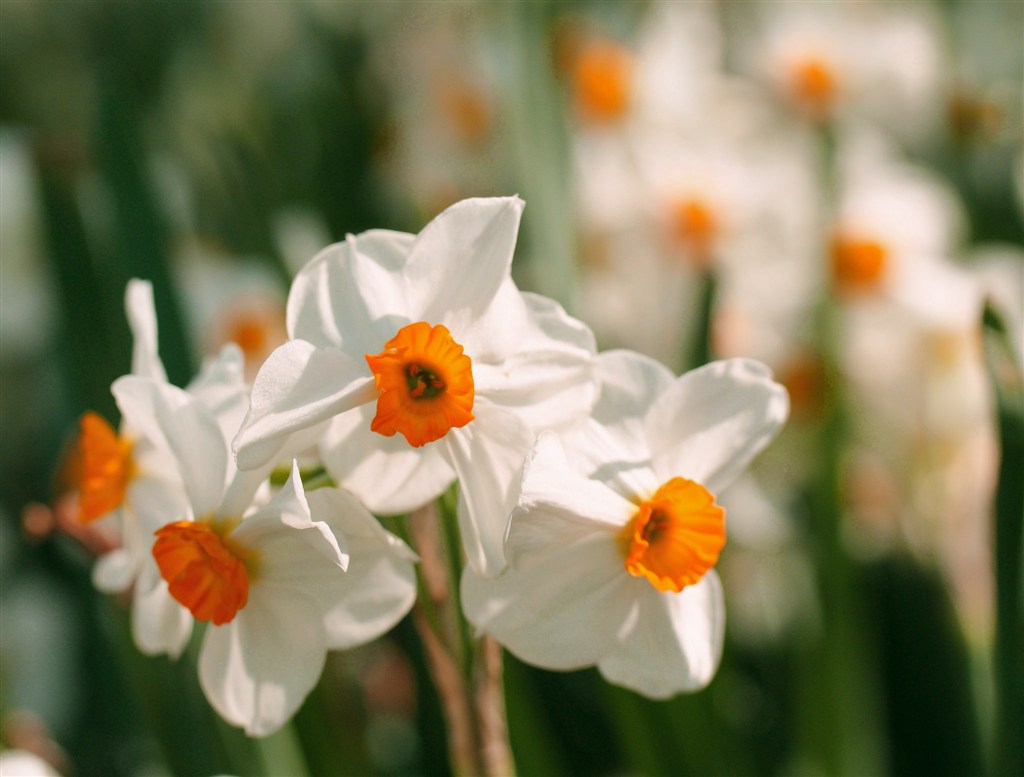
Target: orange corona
<point>814,85</point>
<point>695,227</point>
<point>425,383</point>
<point>202,572</point>
<point>857,265</point>
<point>675,537</point>
<point>601,77</point>
<point>104,468</point>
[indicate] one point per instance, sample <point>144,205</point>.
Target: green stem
<point>698,350</point>
<point>1009,550</point>
<point>452,541</point>
<point>282,753</point>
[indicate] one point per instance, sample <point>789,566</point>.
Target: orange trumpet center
<point>857,265</point>
<point>675,537</point>
<point>104,468</point>
<point>202,572</point>
<point>425,383</point>
<point>695,226</point>
<point>814,85</point>
<point>601,81</point>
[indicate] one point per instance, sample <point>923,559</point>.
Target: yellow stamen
<point>104,467</point>
<point>601,81</point>
<point>202,572</point>
<point>675,537</point>
<point>425,383</point>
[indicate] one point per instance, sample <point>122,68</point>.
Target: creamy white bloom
<point>418,361</point>
<point>612,544</point>
<point>847,61</point>
<point>269,576</point>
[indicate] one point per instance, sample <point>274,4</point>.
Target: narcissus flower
<point>425,363</point>
<point>613,544</point>
<point>119,473</point>
<point>269,577</point>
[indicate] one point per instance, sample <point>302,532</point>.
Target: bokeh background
<point>832,188</point>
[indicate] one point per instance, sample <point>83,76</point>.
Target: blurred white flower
<point>427,337</point>
<point>230,299</point>
<point>614,540</point>
<point>837,62</point>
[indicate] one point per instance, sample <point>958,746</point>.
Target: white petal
<point>150,502</point>
<point>221,387</point>
<point>191,434</point>
<point>712,421</point>
<point>611,446</point>
<point>460,260</point>
<point>549,380</point>
<point>291,546</point>
<point>138,305</point>
<point>567,609</point>
<point>298,386</point>
<point>676,645</point>
<point>159,623</point>
<point>257,669</point>
<point>113,572</point>
<point>630,383</point>
<point>386,473</point>
<point>156,500</point>
<point>487,455</point>
<point>352,294</point>
<point>573,506</point>
<point>379,586</point>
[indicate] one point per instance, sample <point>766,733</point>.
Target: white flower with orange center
<point>120,474</point>
<point>894,227</point>
<point>617,531</point>
<point>840,61</point>
<point>418,361</point>
<point>272,579</point>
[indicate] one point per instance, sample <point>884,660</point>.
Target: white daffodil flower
<point>428,364</point>
<point>130,477</point>
<point>271,581</point>
<point>612,546</point>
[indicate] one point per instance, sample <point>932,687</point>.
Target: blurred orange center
<point>857,265</point>
<point>675,536</point>
<point>814,83</point>
<point>105,467</point>
<point>695,225</point>
<point>255,328</point>
<point>201,571</point>
<point>601,81</point>
<point>425,383</point>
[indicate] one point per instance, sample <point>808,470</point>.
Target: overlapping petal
<point>379,586</point>
<point>568,607</point>
<point>487,455</point>
<point>387,475</point>
<point>352,295</point>
<point>548,381</point>
<point>299,386</point>
<point>712,421</point>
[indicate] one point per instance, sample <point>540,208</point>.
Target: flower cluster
<point>587,482</point>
